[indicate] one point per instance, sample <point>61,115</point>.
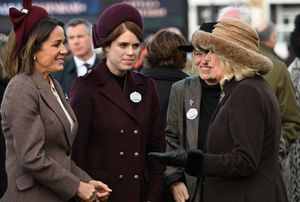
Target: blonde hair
<point>235,69</point>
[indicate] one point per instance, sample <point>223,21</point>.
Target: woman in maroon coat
<point>240,159</point>
<point>118,113</point>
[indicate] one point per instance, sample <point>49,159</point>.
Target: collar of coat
<point>103,76</point>
<point>48,96</point>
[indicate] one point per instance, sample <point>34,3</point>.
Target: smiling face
<point>204,70</point>
<point>215,64</point>
<point>51,54</point>
<point>209,65</point>
<point>122,53</point>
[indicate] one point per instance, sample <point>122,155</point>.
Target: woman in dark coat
<point>118,113</point>
<point>240,159</point>
<point>164,63</point>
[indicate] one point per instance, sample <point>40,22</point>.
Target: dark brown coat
<point>240,163</point>
<point>115,134</point>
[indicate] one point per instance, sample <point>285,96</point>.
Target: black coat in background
<point>3,175</point>
<point>164,78</point>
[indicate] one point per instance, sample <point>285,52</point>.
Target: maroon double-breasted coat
<point>116,130</point>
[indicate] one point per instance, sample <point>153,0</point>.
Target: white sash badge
<point>135,97</point>
<point>192,113</point>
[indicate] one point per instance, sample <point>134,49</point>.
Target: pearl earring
<point>34,58</point>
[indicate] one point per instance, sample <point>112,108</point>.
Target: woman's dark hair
<point>23,62</point>
<point>295,37</point>
<point>162,50</point>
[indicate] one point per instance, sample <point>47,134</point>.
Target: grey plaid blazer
<point>174,126</point>
<point>38,141</point>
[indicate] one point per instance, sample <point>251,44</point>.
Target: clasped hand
<point>93,191</point>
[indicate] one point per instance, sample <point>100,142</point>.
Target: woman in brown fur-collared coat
<point>240,159</point>
<point>38,123</point>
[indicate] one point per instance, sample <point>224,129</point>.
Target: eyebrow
<point>127,42</point>
<point>59,40</point>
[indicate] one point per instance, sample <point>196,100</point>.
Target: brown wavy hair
<point>162,50</point>
<point>23,62</point>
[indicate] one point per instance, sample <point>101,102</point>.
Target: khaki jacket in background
<point>280,81</point>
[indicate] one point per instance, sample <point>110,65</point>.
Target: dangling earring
<point>34,58</point>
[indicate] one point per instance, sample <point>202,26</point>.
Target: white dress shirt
<point>81,69</point>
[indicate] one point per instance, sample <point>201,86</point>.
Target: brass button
<point>136,154</point>
<point>135,132</point>
<point>121,177</point>
<point>136,177</point>
<point>122,131</point>
<point>121,153</point>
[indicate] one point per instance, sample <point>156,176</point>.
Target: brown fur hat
<point>235,40</point>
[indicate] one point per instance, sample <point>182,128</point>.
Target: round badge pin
<point>135,97</point>
<point>192,113</point>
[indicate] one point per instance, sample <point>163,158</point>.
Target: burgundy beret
<point>25,20</point>
<point>112,17</point>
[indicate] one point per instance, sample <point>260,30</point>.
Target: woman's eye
<point>136,46</point>
<point>123,45</point>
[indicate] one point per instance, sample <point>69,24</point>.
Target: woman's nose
<point>63,50</point>
<point>130,50</point>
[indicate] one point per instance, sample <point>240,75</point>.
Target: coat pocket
<point>24,182</point>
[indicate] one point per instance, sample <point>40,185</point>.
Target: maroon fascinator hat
<point>112,17</point>
<point>25,20</point>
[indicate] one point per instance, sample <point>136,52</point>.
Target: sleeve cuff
<point>194,162</point>
<point>174,177</point>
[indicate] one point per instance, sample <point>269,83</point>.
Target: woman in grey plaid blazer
<point>38,123</point>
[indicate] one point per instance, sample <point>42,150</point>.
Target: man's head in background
<point>266,33</point>
<point>243,13</point>
<point>79,35</point>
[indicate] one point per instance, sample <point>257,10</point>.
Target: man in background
<point>280,80</point>
<point>242,13</point>
<point>79,36</point>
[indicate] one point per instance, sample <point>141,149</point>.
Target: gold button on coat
<point>135,132</point>
<point>136,177</point>
<point>121,177</point>
<point>136,154</point>
<point>121,153</point>
<point>122,131</point>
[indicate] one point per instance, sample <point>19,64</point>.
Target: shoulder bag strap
<point>187,82</point>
